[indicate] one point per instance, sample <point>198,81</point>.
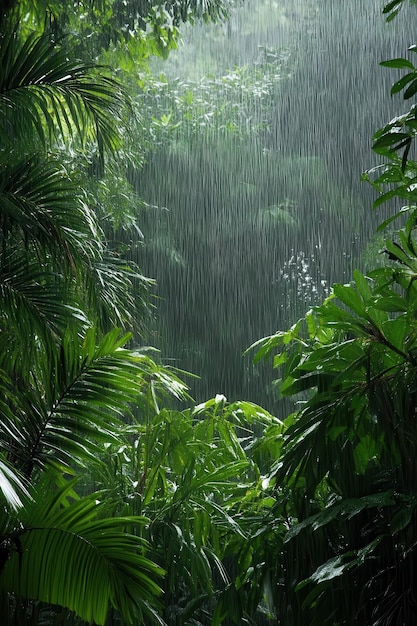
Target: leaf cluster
<point>345,470</point>
<point>348,453</point>
<point>197,475</point>
<point>66,385</point>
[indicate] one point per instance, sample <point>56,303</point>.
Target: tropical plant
<point>345,475</point>
<point>198,475</point>
<point>348,455</point>
<point>84,530</point>
<point>55,274</point>
<point>64,385</point>
<point>55,542</point>
<point>127,31</point>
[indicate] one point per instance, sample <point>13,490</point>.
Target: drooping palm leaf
<point>37,305</point>
<point>66,551</point>
<point>116,290</point>
<point>42,204</point>
<point>75,400</point>
<point>12,486</point>
<point>42,210</point>
<point>43,91</point>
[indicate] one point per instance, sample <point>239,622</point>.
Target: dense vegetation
<point>117,506</point>
<point>90,463</point>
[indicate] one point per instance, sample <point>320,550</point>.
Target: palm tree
<point>64,385</point>
<point>57,546</point>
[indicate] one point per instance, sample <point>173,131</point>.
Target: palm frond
<point>116,288</point>
<point>67,552</point>
<point>76,400</point>
<point>40,201</point>
<point>12,485</point>
<point>43,91</point>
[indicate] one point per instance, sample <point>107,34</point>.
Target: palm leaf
<point>12,485</point>
<point>39,201</point>
<point>36,307</point>
<point>76,400</point>
<point>115,289</point>
<point>67,552</point>
<point>42,90</point>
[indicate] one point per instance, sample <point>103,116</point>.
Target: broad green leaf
<point>401,83</point>
<point>389,138</point>
<point>396,331</point>
<point>390,6</point>
<point>279,359</point>
<point>362,284</point>
<point>398,63</point>
<point>350,297</point>
<point>411,90</point>
<point>364,452</point>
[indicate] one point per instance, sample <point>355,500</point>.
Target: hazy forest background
<point>263,129</point>
<point>208,339</point>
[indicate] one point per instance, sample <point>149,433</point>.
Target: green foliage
<point>58,533</point>
<point>48,230</point>
<point>103,491</point>
<point>197,475</point>
<point>44,92</point>
<point>345,473</point>
<point>55,543</point>
<point>63,386</point>
<point>310,521</point>
<point>133,30</point>
<point>391,9</point>
<point>350,448</point>
<point>234,104</point>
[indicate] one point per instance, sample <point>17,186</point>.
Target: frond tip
<point>12,487</point>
